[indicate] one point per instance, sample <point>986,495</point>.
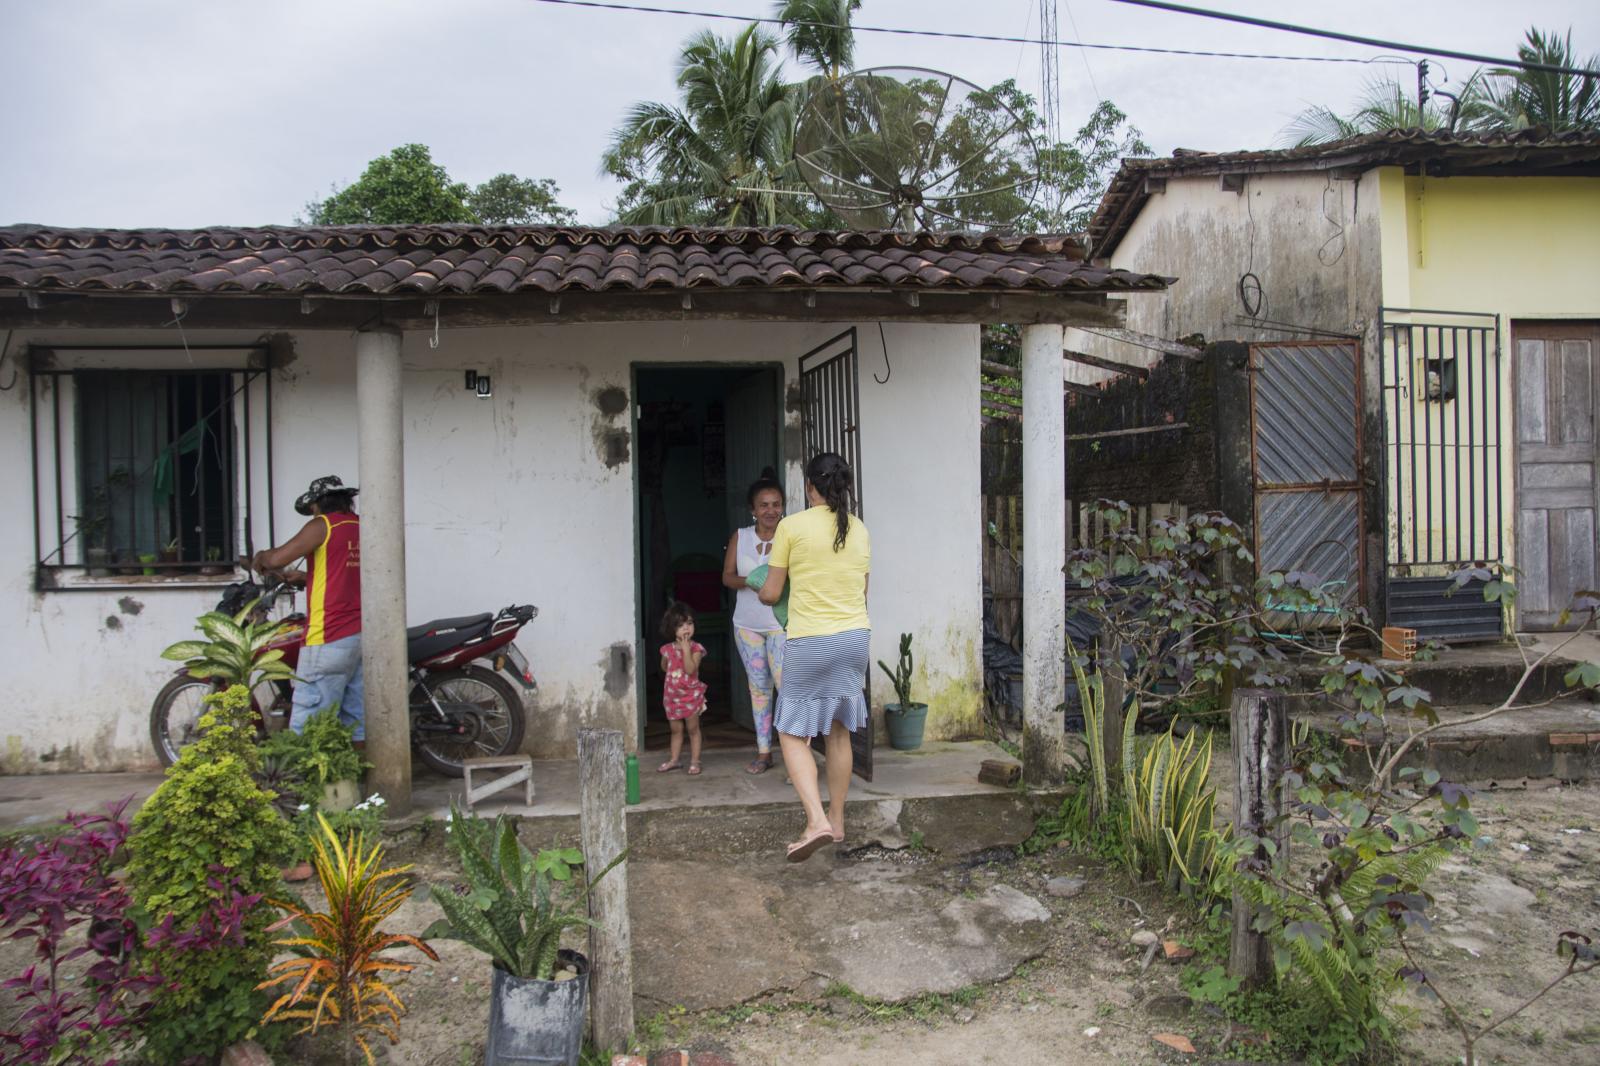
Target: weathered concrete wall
<point>1314,243</point>
<point>1307,237</point>
<point>527,497</point>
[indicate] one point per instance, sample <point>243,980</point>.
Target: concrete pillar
<point>379,434</point>
<point>1044,553</point>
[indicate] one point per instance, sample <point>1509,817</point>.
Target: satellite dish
<point>909,148</point>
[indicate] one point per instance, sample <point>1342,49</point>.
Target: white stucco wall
<point>511,499</point>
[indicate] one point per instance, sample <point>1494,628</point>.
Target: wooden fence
<point>1003,547</point>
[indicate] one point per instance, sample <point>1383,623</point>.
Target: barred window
<point>144,469</point>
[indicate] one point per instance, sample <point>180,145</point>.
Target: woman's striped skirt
<point>824,681</point>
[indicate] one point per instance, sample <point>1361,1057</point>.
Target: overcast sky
<point>206,112</point>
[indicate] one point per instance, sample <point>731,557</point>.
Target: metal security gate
<point>1305,415</point>
<point>1442,407</point>
<point>830,421</point>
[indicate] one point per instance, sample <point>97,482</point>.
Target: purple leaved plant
<point>86,994</point>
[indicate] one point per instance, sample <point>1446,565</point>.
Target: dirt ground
<point>1074,990</point>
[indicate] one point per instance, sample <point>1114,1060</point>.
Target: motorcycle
<point>461,705</point>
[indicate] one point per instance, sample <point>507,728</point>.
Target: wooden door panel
<point>1556,468</point>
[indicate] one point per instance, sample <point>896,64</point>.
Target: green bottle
<point>631,770</point>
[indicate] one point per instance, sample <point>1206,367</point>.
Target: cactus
<point>900,677</point>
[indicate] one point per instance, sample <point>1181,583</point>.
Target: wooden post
<point>1259,721</point>
<point>1114,687</point>
<point>602,787</point>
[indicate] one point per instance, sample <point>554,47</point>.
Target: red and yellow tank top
<point>333,583</point>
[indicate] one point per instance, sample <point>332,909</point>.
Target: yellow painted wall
<point>1525,247</point>
<point>1519,247</point>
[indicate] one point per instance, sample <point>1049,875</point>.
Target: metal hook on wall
<point>432,308</point>
<point>888,371</point>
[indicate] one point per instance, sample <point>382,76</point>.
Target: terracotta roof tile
<point>467,260</point>
<point>1434,152</point>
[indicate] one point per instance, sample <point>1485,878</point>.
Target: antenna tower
<point>1049,91</point>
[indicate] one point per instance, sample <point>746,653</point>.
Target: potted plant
<point>904,718</point>
<point>329,761</point>
<point>511,912</point>
<point>149,561</point>
<point>92,528</point>
<point>169,553</point>
<point>214,565</point>
<point>279,774</point>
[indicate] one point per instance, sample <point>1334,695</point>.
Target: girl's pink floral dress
<point>683,695</point>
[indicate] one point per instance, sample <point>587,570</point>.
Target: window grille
<point>147,463</point>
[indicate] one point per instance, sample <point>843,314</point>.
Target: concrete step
<point>1477,674</point>
<point>1560,741</point>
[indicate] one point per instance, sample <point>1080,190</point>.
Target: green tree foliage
<point>1520,98</point>
<point>406,187</point>
<point>208,821</point>
<point>1074,173</point>
<point>718,155</point>
<point>1385,104</point>
<point>1502,100</point>
<point>819,34</point>
<point>507,200</point>
<point>724,154</point>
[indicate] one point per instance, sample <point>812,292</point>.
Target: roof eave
<point>33,309</point>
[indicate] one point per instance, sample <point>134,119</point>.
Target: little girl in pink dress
<point>684,694</point>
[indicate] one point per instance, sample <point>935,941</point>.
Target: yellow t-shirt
<point>827,588</point>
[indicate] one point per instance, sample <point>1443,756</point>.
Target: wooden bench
<point>521,767</point>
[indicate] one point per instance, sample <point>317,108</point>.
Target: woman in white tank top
<point>757,634</point>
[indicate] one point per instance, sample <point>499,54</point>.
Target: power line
<point>1375,42</point>
<point>606,5</point>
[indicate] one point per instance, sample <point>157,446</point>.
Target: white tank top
<point>748,610</point>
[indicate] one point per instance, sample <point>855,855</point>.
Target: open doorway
<point>702,434</point>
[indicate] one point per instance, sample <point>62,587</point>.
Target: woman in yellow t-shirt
<point>824,554</point>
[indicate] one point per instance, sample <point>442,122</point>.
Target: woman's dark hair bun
<point>831,476</point>
<point>767,480</point>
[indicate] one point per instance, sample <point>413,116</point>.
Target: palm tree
<point>819,33</point>
<point>721,156</point>
<point>1506,99</point>
<point>1385,104</point>
<point>1519,98</point>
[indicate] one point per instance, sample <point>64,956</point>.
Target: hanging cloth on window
<point>165,471</point>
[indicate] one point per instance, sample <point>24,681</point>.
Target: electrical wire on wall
<point>1332,249</point>
<point>1252,297</point>
<point>16,372</point>
<point>888,371</point>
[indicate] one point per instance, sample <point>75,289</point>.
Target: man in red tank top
<point>329,668</point>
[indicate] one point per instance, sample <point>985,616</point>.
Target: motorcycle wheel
<point>175,716</point>
<point>479,699</point>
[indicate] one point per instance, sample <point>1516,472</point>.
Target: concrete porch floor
<point>935,771</point>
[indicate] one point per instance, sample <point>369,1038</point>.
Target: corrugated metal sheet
<point>1305,415</point>
<point>1437,610</point>
<point>1305,409</point>
<point>1313,531</point>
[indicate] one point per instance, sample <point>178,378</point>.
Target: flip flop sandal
<point>758,766</point>
<point>668,767</point>
<point>694,769</point>
<point>802,851</point>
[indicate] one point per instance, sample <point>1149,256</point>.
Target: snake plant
<point>510,910</point>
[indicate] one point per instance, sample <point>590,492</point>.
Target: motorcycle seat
<point>442,634</point>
